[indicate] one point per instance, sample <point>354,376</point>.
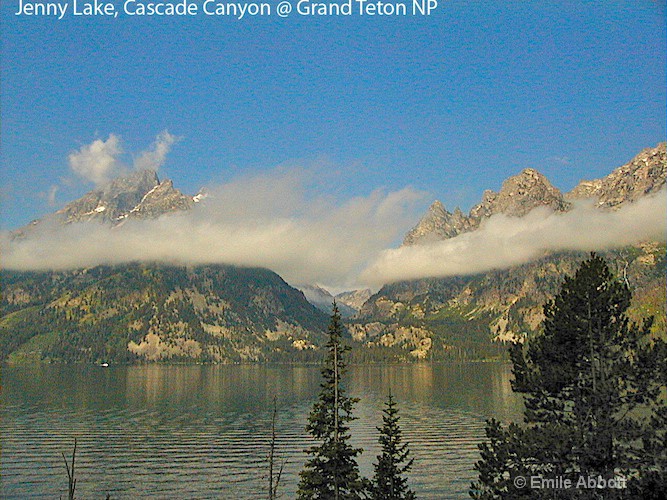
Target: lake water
<point>195,432</point>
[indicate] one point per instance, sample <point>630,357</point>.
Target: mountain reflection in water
<point>192,431</point>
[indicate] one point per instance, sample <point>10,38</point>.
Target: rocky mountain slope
<point>461,315</point>
<point>643,175</point>
<point>150,312</point>
<point>466,313</point>
<point>349,303</point>
<point>354,299</point>
<point>323,300</point>
<point>139,195</point>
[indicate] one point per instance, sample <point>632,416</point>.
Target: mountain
<point>354,299</point>
<point>323,300</point>
<point>465,313</point>
<point>157,312</point>
<point>518,196</point>
<point>138,195</point>
<point>439,224</point>
<point>151,312</point>
<point>645,174</point>
<point>460,316</point>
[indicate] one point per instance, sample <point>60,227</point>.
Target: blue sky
<point>450,104</point>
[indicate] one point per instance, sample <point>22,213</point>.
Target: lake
<point>196,432</point>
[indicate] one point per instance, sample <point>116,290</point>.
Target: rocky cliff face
<point>645,174</point>
<point>518,195</point>
<point>139,195</point>
<point>162,199</point>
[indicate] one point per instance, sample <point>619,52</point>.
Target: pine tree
<point>332,472</point>
<point>393,462</point>
<point>591,384</point>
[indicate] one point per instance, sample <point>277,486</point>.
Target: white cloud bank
<point>275,221</point>
<point>270,220</point>
<point>502,241</point>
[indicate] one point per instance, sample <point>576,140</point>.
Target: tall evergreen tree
<point>591,384</point>
<point>332,472</point>
<point>389,482</point>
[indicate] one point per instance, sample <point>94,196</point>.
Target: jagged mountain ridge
<point>643,175</point>
<point>138,195</point>
<point>518,195</point>
<point>439,224</point>
<point>507,304</point>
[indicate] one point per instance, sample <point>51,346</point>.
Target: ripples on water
<point>196,432</point>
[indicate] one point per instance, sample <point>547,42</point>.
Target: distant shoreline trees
<point>595,413</point>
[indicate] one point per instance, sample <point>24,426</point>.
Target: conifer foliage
<point>332,472</point>
<point>592,386</point>
<point>389,482</point>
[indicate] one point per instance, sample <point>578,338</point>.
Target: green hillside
<point>149,312</point>
<point>465,316</point>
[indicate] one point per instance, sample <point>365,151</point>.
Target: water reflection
<point>202,431</point>
<point>248,387</point>
<point>479,387</point>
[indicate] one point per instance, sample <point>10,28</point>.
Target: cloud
<point>98,161</point>
<point>155,157</point>
<point>53,191</point>
<point>561,160</point>
<point>50,195</point>
<point>280,220</point>
<point>503,241</point>
<point>272,220</point>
